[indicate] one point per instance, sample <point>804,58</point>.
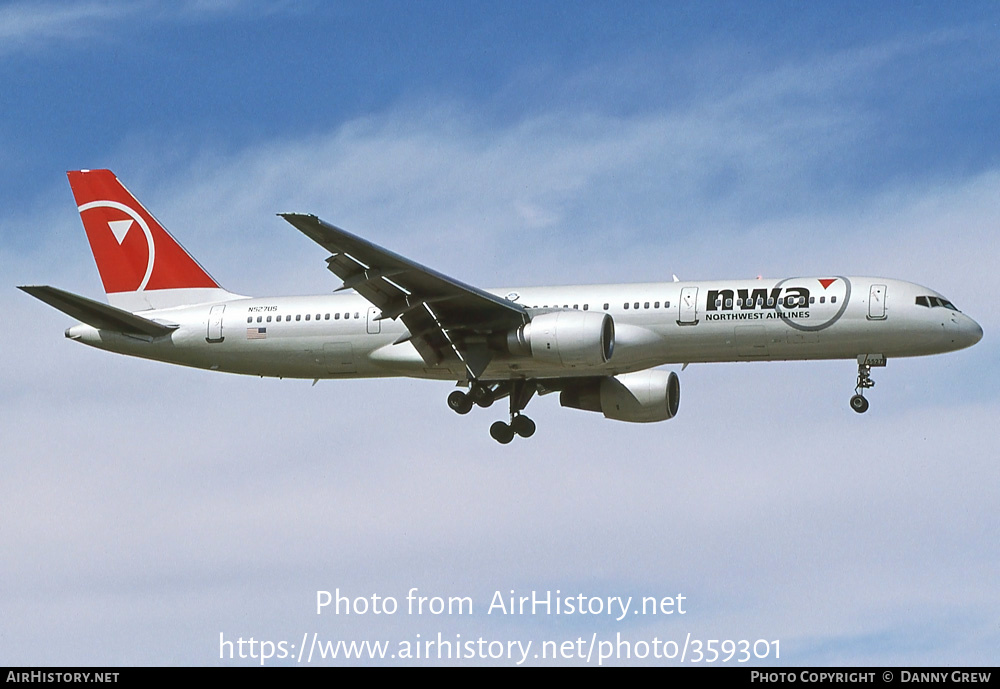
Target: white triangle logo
<point>120,228</point>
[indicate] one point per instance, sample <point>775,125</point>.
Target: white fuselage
<point>341,336</point>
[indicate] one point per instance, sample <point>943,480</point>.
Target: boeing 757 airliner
<point>597,345</point>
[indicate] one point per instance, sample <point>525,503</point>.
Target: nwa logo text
<point>748,300</point>
<point>787,302</point>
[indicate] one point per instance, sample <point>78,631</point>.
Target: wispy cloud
<point>29,27</point>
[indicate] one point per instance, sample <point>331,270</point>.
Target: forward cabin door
<point>688,306</point>
<point>876,303</point>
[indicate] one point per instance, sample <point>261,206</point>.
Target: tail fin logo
<point>133,251</point>
<point>120,230</point>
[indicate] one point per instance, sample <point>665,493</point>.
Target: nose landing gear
<point>859,403</point>
<point>865,382</point>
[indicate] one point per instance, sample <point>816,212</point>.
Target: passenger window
<point>656,304</point>
<point>822,300</point>
<point>357,315</point>
<point>729,303</point>
<point>336,316</point>
<point>307,316</point>
<point>646,305</point>
<point>326,317</point>
<point>666,304</point>
<point>626,305</point>
<point>260,319</point>
<point>586,307</point>
<point>606,305</point>
<point>249,319</point>
<point>268,319</point>
<point>833,300</point>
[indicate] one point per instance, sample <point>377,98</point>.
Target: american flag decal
<point>256,333</point>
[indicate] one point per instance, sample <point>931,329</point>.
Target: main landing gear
<point>520,393</point>
<point>865,382</point>
<point>462,402</point>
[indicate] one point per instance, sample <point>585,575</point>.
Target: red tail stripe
<point>132,249</point>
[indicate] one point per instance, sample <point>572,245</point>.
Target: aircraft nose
<point>970,332</point>
<point>975,332</point>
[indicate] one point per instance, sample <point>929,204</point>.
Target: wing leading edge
<point>446,319</point>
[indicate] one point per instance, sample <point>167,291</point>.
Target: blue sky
<point>147,509</point>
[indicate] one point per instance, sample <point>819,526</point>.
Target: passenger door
<point>876,303</point>
<point>688,306</point>
<point>215,324</point>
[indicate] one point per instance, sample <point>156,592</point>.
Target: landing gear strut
<point>484,394</point>
<point>520,394</point>
<point>865,382</point>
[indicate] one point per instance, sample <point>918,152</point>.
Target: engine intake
<point>566,338</point>
<point>640,397</point>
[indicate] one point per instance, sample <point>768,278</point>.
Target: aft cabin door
<point>876,303</point>
<point>688,307</point>
<point>215,324</point>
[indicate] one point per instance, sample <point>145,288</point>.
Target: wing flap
<point>96,314</point>
<point>439,311</point>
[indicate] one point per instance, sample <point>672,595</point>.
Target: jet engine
<point>565,338</point>
<point>640,397</point>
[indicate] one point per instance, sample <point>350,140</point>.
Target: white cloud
<point>28,26</point>
<point>31,27</point>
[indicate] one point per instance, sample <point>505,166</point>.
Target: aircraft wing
<point>443,315</point>
<point>96,314</point>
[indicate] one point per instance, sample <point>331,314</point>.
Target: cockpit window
<point>935,301</point>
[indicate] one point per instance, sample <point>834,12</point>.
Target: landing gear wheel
<point>502,432</point>
<point>859,404</point>
<point>865,382</point>
<point>460,402</point>
<point>483,396</point>
<point>523,426</point>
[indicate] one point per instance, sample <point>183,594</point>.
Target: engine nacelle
<point>566,338</point>
<point>640,397</point>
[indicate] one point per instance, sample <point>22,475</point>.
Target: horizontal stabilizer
<point>97,314</point>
